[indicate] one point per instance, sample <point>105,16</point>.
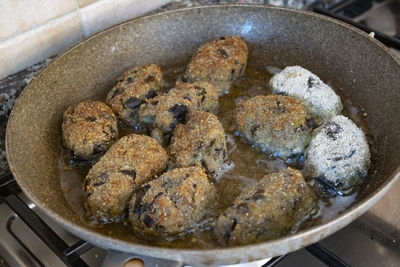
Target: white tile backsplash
<point>41,42</point>
<point>18,16</point>
<point>32,30</point>
<point>105,13</point>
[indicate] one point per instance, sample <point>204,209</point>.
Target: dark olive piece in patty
<point>204,95</point>
<point>132,161</point>
<point>279,124</point>
<point>219,62</point>
<point>162,113</point>
<point>265,210</point>
<point>88,128</point>
<point>132,89</point>
<point>173,203</point>
<point>200,142</point>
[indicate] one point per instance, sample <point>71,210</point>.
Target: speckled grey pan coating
<point>302,84</point>
<point>277,37</point>
<point>338,152</point>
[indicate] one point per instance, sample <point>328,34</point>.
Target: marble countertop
<point>11,87</point>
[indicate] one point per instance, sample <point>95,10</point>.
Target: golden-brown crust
<point>201,142</point>
<point>267,209</point>
<point>173,203</point>
<point>280,124</point>
<point>162,113</point>
<point>132,89</point>
<point>219,62</point>
<point>136,157</point>
<point>204,95</point>
<point>88,128</point>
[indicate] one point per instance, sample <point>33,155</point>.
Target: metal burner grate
<point>354,11</point>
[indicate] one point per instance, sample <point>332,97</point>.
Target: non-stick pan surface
<point>357,65</point>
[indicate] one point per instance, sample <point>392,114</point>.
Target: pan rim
<point>114,243</point>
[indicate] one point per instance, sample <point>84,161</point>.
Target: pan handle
<point>119,258</point>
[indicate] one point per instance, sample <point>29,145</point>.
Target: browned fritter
<point>132,161</point>
<point>279,124</point>
<point>266,210</point>
<point>200,142</point>
<point>88,128</point>
<point>219,62</point>
<point>162,113</point>
<point>204,95</point>
<point>173,203</point>
<point>132,89</point>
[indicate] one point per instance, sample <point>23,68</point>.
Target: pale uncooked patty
<point>302,84</point>
<point>339,153</point>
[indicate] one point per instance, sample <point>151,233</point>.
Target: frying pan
<point>358,66</point>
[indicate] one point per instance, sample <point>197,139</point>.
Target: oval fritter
<point>339,153</point>
<point>279,124</point>
<point>266,210</point>
<point>162,113</point>
<point>88,128</point>
<point>201,141</point>
<point>304,85</point>
<point>204,95</point>
<point>132,161</point>
<point>132,89</point>
<point>173,203</point>
<point>219,62</point>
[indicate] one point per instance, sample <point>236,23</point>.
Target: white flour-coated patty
<point>302,84</point>
<point>338,152</point>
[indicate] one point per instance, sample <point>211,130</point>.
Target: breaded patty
<point>279,124</point>
<point>302,84</point>
<point>132,161</point>
<point>204,95</point>
<point>162,113</point>
<point>173,203</point>
<point>266,210</point>
<point>89,128</point>
<point>339,153</point>
<point>132,89</point>
<point>219,62</point>
<point>200,142</point>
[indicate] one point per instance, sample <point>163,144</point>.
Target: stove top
<point>371,240</point>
